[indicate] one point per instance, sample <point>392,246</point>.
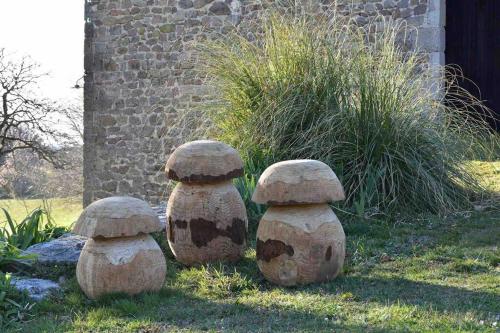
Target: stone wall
<point>141,71</point>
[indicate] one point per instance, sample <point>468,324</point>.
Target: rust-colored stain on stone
<point>181,224</point>
<point>175,224</point>
<point>171,174</point>
<point>203,231</point>
<point>328,254</point>
<point>171,231</point>
<point>271,249</point>
<point>286,203</point>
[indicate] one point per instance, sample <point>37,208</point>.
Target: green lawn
<point>64,211</point>
<point>419,274</point>
<point>489,173</point>
<point>423,275</point>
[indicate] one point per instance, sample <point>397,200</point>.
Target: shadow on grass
<point>440,298</point>
<point>290,310</point>
<point>177,311</point>
<point>174,308</point>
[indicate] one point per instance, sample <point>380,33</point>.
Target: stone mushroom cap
<point>202,161</point>
<point>117,217</point>
<point>298,182</point>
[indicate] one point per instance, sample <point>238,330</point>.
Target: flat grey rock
<point>64,250</point>
<point>37,289</point>
<point>161,211</point>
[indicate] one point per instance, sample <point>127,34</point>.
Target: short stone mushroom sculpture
<point>206,217</point>
<point>120,255</point>
<point>299,239</point>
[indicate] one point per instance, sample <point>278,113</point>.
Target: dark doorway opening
<point>473,43</point>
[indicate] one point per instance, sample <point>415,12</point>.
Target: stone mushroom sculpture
<point>299,239</point>
<point>120,255</point>
<point>206,217</point>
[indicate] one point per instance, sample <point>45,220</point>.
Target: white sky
<point>51,32</point>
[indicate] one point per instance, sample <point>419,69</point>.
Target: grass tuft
<point>325,88</point>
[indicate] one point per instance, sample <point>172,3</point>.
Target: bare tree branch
<point>26,121</point>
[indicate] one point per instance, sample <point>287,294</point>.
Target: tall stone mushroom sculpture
<point>299,239</point>
<point>120,255</point>
<point>206,217</point>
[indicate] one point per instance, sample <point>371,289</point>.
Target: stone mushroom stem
<point>128,265</point>
<point>300,244</point>
<point>206,222</point>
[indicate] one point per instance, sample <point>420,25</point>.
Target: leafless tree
<point>72,120</point>
<point>24,175</point>
<point>27,122</point>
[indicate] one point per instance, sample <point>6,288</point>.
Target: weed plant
<point>13,305</point>
<point>36,227</point>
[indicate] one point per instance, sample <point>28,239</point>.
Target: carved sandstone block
<point>299,239</point>
<point>300,244</point>
<point>117,217</point>
<point>128,265</point>
<point>204,161</point>
<point>206,223</point>
<point>120,256</point>
<point>206,217</point>
<point>298,182</point>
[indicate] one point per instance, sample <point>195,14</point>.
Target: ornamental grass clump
<point>356,98</point>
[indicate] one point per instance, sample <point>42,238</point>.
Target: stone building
<point>141,71</point>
